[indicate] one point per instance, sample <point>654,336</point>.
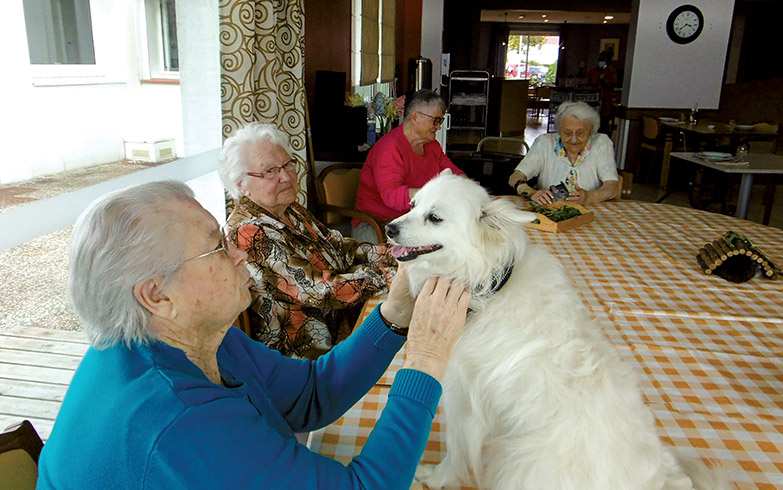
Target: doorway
<point>532,55</point>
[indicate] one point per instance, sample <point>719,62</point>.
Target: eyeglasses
<point>272,172</point>
<point>222,248</point>
<point>437,121</point>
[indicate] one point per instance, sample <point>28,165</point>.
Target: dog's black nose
<point>392,230</point>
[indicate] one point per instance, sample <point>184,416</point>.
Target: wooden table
<point>758,163</point>
<point>706,133</point>
<point>708,353</point>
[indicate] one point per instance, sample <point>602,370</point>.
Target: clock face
<point>685,23</point>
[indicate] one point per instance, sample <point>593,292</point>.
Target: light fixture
<point>543,15</point>
<point>521,16</point>
<point>604,22</point>
<point>608,17</point>
<point>546,20</point>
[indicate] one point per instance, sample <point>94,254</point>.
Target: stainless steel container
<point>420,73</point>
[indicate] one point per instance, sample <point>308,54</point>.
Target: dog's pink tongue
<point>398,251</point>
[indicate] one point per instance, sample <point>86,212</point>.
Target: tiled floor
<point>33,275</point>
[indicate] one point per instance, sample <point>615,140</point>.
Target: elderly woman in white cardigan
<point>577,155</point>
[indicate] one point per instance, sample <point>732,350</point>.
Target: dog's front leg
<point>438,475</point>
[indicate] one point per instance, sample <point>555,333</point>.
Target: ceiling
<point>553,17</point>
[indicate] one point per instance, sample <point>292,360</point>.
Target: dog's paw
<point>433,476</point>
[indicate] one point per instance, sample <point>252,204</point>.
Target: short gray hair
<point>121,239</point>
<point>233,160</point>
<point>421,100</point>
<point>581,111</point>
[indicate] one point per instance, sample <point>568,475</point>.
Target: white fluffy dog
<point>535,397</point>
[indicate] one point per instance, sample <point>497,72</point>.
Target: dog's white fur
<point>535,397</point>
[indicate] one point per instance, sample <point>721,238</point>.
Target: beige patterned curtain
<point>262,60</point>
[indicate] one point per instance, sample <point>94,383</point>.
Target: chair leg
<point>768,201</point>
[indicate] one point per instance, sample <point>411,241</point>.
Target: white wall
<point>57,118</point>
<point>199,57</point>
<point>662,74</point>
<point>432,36</point>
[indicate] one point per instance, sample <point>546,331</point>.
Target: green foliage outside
<point>551,74</point>
<point>520,43</point>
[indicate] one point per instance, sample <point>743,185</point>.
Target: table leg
<point>667,157</point>
<point>744,196</point>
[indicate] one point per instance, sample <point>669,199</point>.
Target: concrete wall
<point>57,118</point>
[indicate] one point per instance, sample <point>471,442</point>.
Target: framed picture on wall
<point>611,44</point>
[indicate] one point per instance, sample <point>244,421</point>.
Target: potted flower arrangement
<point>386,110</point>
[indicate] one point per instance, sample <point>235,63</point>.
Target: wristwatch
<point>393,326</point>
<point>516,186</point>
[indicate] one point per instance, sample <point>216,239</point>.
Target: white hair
<point>579,110</point>
<point>233,160</point>
<point>121,239</point>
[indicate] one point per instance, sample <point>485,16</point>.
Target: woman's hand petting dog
<point>398,307</point>
<point>437,323</point>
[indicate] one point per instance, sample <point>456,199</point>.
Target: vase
<point>385,125</point>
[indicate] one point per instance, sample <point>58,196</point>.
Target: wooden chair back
<point>651,128</point>
<point>514,146</point>
<point>336,191</point>
<point>624,186</point>
<point>20,447</point>
<point>765,146</point>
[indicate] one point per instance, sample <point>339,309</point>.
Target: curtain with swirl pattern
<point>262,70</point>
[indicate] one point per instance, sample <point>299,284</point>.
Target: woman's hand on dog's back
<point>437,323</point>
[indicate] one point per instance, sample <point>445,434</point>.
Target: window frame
<point>151,39</point>
<point>107,67</point>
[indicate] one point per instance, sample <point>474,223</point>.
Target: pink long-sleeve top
<point>392,167</point>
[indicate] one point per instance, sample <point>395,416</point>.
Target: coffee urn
<point>420,70</point>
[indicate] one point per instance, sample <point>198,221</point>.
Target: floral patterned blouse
<point>311,282</point>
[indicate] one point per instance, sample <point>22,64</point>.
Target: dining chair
<point>335,190</point>
<point>767,146</point>
<point>20,446</point>
<point>499,144</point>
<point>624,185</point>
<point>651,141</point>
<point>556,98</point>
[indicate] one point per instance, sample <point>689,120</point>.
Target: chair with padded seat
<point>499,144</point>
<point>20,446</point>
<point>624,186</point>
<point>335,190</point>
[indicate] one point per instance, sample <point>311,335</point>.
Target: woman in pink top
<point>401,162</point>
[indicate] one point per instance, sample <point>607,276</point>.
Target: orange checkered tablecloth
<point>708,353</point>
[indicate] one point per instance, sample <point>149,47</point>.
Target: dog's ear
<point>501,213</point>
<point>446,171</point>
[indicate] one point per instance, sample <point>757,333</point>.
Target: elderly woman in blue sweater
<point>171,396</point>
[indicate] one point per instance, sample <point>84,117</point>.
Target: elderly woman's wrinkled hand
<point>437,323</point>
<point>544,196</point>
<point>398,307</point>
<point>578,196</point>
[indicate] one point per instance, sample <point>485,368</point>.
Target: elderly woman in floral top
<point>310,281</point>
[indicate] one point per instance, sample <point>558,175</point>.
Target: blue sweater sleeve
<point>229,443</point>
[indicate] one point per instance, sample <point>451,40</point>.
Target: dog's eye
<point>432,218</point>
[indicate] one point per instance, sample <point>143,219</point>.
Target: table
<point>758,163</point>
<point>705,131</point>
<point>708,353</point>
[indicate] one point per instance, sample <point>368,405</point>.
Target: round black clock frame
<point>670,24</point>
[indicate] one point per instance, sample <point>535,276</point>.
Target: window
<point>59,32</point>
<point>162,54</point>
<point>372,41</point>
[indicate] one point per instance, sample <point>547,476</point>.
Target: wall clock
<point>684,24</point>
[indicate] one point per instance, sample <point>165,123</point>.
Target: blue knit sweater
<point>146,418</point>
